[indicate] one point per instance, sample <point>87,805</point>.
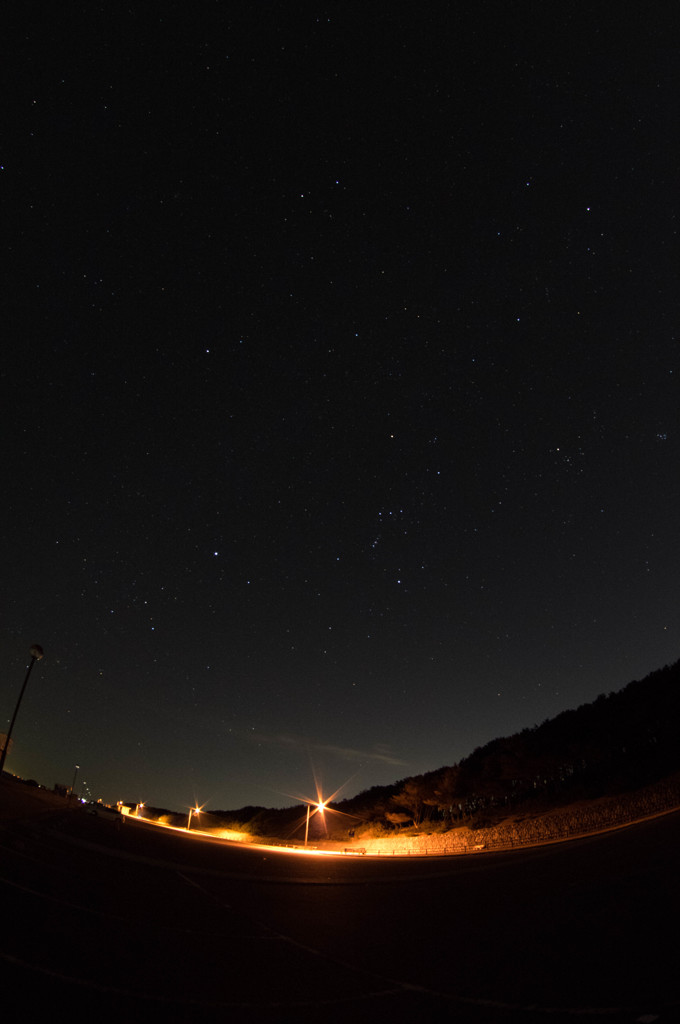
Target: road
<point>110,921</point>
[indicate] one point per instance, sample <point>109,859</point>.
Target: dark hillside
<point>620,741</point>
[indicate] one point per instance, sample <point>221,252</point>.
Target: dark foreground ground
<point>107,921</point>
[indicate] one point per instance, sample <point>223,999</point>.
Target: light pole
<point>318,807</point>
<point>36,655</point>
<point>192,811</point>
<point>74,779</point>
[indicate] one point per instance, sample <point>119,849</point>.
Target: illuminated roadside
<point>246,843</point>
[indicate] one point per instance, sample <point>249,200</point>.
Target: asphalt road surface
<point>108,921</point>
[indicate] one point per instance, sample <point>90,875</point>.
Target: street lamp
<point>36,655</point>
<point>318,807</point>
<point>192,811</point>
<point>73,784</point>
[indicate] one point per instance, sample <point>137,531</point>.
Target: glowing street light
<point>317,807</point>
<point>192,812</point>
<point>36,655</point>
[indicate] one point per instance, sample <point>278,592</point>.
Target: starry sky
<point>339,386</point>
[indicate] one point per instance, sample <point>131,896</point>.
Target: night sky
<point>339,384</point>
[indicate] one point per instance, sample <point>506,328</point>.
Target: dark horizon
<point>622,742</point>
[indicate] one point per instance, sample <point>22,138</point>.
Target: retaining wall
<point>567,823</point>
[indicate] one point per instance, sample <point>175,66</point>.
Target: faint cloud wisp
<point>379,754</point>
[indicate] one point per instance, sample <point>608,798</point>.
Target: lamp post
<point>192,811</point>
<point>36,655</point>
<point>318,807</point>
<point>73,784</point>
